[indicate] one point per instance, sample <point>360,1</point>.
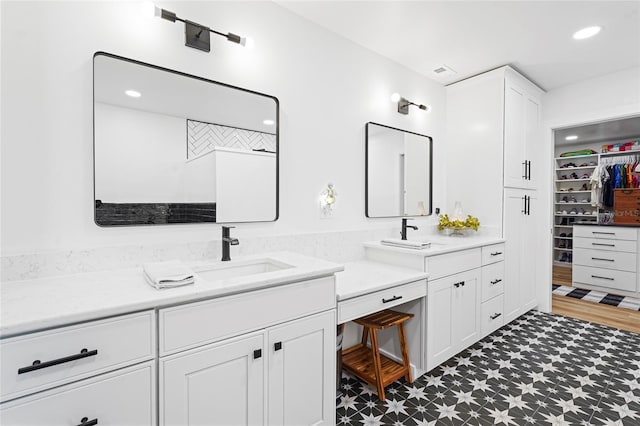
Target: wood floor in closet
<point>623,319</point>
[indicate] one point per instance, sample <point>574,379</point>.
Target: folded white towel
<point>417,245</point>
<point>168,274</point>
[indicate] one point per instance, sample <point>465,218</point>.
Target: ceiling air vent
<point>443,70</point>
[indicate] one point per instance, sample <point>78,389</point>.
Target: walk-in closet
<point>596,209</point>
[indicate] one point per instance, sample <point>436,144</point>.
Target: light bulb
<point>247,42</point>
<point>395,97</point>
<point>586,33</point>
<point>571,138</point>
<point>269,122</point>
<point>149,10</point>
<point>133,93</point>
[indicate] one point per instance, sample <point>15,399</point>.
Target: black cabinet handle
<point>603,278</point>
<point>602,244</point>
<point>494,316</point>
<point>392,299</point>
<point>86,422</point>
<point>38,365</point>
<point>529,170</point>
<point>460,284</point>
<point>603,233</point>
<point>528,205</point>
<point>602,258</point>
<point>277,346</point>
<point>524,205</point>
<point>496,253</point>
<point>257,353</point>
<point>496,281</point>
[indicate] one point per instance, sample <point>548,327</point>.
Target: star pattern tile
<point>541,369</point>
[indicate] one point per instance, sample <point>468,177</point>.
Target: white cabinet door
<point>520,256</point>
<point>221,384</point>
<point>301,377</point>
<point>532,139</point>
<point>453,315</point>
<point>466,309</point>
<point>515,167</point>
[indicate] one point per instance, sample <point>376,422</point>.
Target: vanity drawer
<point>493,253</point>
<point>492,280</point>
<point>617,260</point>
<point>195,324</point>
<point>357,307</point>
<point>619,280</point>
<point>75,352</point>
<point>125,397</point>
<point>452,263</point>
<point>492,315</point>
<point>607,232</point>
<point>605,244</point>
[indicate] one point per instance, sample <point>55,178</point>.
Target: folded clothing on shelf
<point>167,274</point>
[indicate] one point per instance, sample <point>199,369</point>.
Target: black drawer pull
<point>602,258</point>
<point>394,298</point>
<point>494,316</point>
<point>497,253</point>
<point>601,244</point>
<point>86,422</point>
<point>277,346</point>
<point>460,284</point>
<point>603,278</point>
<point>603,233</point>
<point>257,353</point>
<point>496,281</point>
<point>38,365</point>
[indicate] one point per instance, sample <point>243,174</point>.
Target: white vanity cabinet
<point>249,373</point>
<point>57,377</point>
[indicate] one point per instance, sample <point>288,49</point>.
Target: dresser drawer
<point>125,397</point>
<point>492,315</point>
<point>70,353</point>
<point>605,244</point>
<point>617,260</point>
<point>492,280</point>
<point>493,253</point>
<point>357,307</point>
<point>452,263</point>
<point>619,280</point>
<point>606,232</point>
<point>195,324</point>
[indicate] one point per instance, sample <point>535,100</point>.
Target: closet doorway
<point>595,186</point>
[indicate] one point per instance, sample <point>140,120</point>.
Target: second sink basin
<point>234,269</point>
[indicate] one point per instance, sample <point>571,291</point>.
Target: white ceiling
<point>471,37</point>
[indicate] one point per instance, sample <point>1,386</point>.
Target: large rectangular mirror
<point>175,148</point>
<point>398,172</point>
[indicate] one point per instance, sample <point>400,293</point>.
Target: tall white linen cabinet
<point>493,144</point>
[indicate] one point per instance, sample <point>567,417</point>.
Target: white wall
<point>328,89</point>
<point>611,96</point>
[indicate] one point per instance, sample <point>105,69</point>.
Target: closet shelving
<point>572,202</point>
<point>572,199</point>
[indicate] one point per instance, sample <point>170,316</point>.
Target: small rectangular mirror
<point>398,172</point>
<point>170,147</point>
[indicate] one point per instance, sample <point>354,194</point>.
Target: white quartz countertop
<point>440,244</point>
<point>363,277</point>
<point>37,304</point>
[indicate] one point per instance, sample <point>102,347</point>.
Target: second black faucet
<point>227,242</point>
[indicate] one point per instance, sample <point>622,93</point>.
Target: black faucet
<point>403,233</point>
<point>227,242</point>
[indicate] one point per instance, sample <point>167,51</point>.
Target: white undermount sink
<point>234,269</point>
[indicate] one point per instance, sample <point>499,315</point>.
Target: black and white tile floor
<point>541,369</point>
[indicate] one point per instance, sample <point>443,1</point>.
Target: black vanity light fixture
<point>196,35</point>
<point>403,104</point>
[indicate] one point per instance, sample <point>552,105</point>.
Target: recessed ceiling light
<point>133,93</point>
<point>586,33</point>
<point>571,138</point>
<point>269,122</point>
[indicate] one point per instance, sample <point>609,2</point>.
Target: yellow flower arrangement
<point>458,225</point>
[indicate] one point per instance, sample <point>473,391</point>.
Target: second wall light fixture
<point>403,104</point>
<point>196,35</point>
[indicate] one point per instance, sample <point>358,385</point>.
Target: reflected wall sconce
<point>196,35</point>
<point>328,199</point>
<point>403,104</point>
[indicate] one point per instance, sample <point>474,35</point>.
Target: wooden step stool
<point>367,363</point>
